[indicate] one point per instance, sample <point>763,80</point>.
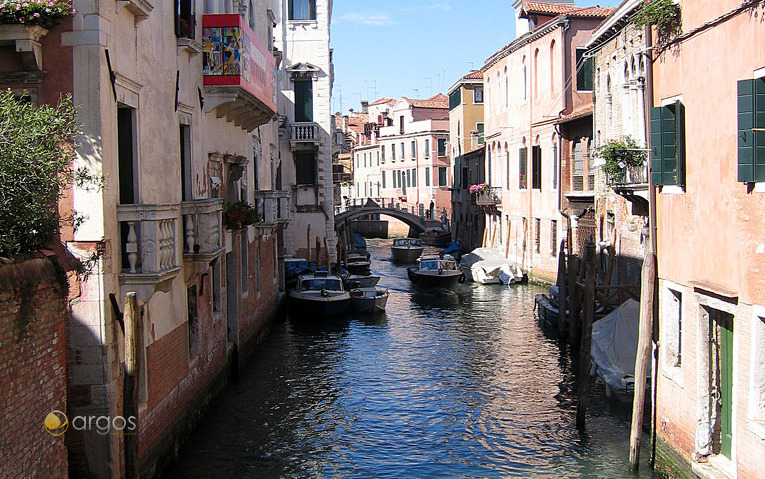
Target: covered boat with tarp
<point>487,266</point>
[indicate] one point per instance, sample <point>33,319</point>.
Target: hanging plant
<point>238,215</point>
<point>620,155</point>
<point>665,14</point>
<point>479,188</point>
<point>45,13</point>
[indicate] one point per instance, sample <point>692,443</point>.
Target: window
<point>672,325</point>
<point>441,146</point>
<point>382,149</point>
<point>393,152</point>
<point>442,176</point>
<point>302,9</point>
<point>414,177</point>
<point>403,155</point>
<point>383,179</point>
<point>478,94</point>
<point>401,128</point>
<point>414,149</point>
<point>553,238</point>
<point>455,98</point>
<point>365,160</point>
<point>751,143</point>
<point>578,176</point>
<point>537,234</point>
<point>583,71</point>
<point>536,167</point>
<point>522,168</point>
<point>378,158</point>
<point>185,19</point>
<point>554,164</point>
<point>303,100</point>
<point>427,147</point>
<point>408,175</point>
<point>668,145</point>
<point>427,176</point>
<point>128,187</point>
<point>378,188</point>
<point>523,80</point>
<point>305,168</point>
<point>479,129</point>
<point>244,255</point>
<point>185,138</point>
<point>535,92</point>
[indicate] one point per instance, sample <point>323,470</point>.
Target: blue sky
<point>414,48</point>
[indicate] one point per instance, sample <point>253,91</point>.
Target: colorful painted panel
<point>225,52</point>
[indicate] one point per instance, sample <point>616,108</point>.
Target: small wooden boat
<point>358,264</point>
<point>318,295</point>
<point>436,237</point>
<point>369,300</point>
<point>361,281</point>
<point>547,311</point>
<point>435,272</point>
<point>405,250</point>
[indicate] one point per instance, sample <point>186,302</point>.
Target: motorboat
<point>489,266</point>
<point>436,237</point>
<point>435,271</point>
<point>406,250</point>
<point>361,281</point>
<point>369,300</point>
<point>614,349</point>
<point>358,263</point>
<point>318,295</point>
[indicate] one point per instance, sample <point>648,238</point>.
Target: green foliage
<point>620,154</point>
<point>45,13</point>
<point>36,151</point>
<point>239,214</point>
<point>665,14</point>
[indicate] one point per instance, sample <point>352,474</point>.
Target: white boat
<point>614,349</point>
<point>318,295</point>
<point>406,250</point>
<point>369,300</point>
<point>487,266</point>
<point>361,281</point>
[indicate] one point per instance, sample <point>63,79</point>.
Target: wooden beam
<point>586,343</point>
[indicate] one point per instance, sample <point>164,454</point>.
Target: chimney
<point>364,106</point>
<point>345,123</point>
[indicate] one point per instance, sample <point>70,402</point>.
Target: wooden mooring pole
<point>643,353</point>
<point>326,253</point>
<point>130,384</point>
<point>308,243</point>
<point>575,300</point>
<point>318,251</point>
<point>562,290</point>
<point>586,342</point>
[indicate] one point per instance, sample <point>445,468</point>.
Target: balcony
<point>148,246</point>
<point>273,208</point>
<point>307,132</point>
<point>239,72</point>
<point>203,234</point>
<point>631,182</point>
<point>491,196</point>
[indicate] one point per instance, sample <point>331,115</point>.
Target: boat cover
<point>487,262</point>
<point>452,248</point>
<point>614,346</point>
<point>359,242</point>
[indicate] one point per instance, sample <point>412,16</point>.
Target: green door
<point>726,383</point>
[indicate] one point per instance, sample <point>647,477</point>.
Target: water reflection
<point>462,385</point>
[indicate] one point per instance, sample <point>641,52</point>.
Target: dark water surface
<point>457,385</point>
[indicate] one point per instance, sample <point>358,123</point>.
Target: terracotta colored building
<point>707,139</point>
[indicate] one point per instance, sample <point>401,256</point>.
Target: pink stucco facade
<point>711,248</point>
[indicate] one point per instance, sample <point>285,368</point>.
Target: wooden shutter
<point>745,133</point>
<point>656,150</point>
<point>680,142</point>
<point>522,179</point>
<point>668,145</point>
<point>759,136</point>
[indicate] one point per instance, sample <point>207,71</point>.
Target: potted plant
<point>239,214</point>
<point>620,156</point>
<point>665,14</point>
<point>479,188</point>
<point>44,13</point>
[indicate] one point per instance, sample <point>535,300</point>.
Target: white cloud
<point>368,18</point>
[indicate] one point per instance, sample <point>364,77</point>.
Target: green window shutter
<point>759,136</point>
<point>680,142</point>
<point>668,145</point>
<point>656,150</point>
<point>745,133</point>
<point>522,179</point>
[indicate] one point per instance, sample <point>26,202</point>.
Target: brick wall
<point>33,368</point>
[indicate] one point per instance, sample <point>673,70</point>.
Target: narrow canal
<point>462,385</point>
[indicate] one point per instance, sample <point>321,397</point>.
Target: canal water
<point>464,384</point>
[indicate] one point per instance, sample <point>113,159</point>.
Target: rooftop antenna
<point>416,92</point>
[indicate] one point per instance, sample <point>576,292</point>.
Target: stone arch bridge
<point>416,223</point>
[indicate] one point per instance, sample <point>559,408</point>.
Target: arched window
<point>553,61</point>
